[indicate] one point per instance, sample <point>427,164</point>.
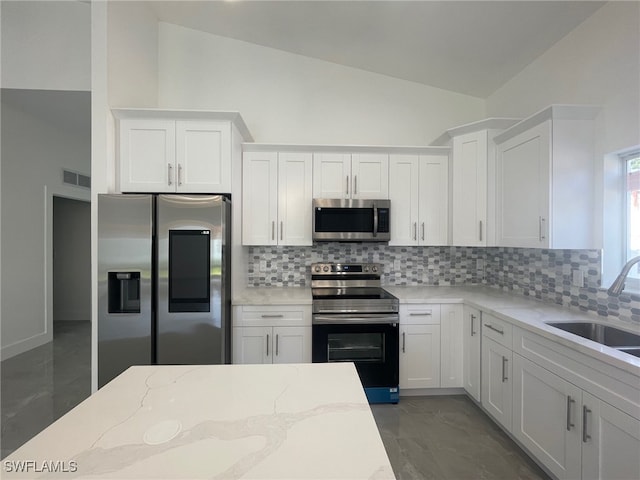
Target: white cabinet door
<point>471,351</point>
<point>523,186</point>
<point>252,345</point>
<point>370,172</point>
<point>547,417</point>
<point>420,356</point>
<point>469,209</point>
<point>451,339</point>
<point>610,441</point>
<point>497,396</point>
<point>147,155</point>
<point>331,175</point>
<point>403,193</point>
<point>418,190</point>
<point>294,198</point>
<point>260,198</point>
<point>203,156</point>
<point>433,208</point>
<point>291,344</point>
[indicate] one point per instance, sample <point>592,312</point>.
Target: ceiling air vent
<point>76,179</point>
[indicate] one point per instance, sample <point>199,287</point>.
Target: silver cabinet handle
<point>422,230</point>
<point>272,316</point>
<point>420,314</point>
<point>504,369</point>
<point>585,436</point>
<point>541,229</point>
<point>277,349</point>
<point>267,344</point>
<point>179,174</point>
<point>403,342</point>
<point>415,230</point>
<point>480,236</point>
<point>355,184</point>
<point>273,230</point>
<point>491,327</point>
<point>473,317</point>
<point>347,184</point>
<point>169,174</point>
<point>281,230</point>
<point>569,402</point>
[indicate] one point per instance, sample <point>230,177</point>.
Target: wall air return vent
<point>76,179</point>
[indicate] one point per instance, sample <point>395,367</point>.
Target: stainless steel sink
<point>613,337</point>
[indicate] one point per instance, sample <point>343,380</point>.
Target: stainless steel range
<point>355,320</point>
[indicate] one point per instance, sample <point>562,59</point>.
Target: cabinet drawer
<point>497,329</point>
<point>422,314</point>
<point>289,315</point>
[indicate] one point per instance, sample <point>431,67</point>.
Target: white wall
<point>34,150</point>
<point>46,45</point>
<point>132,55</point>
<point>288,98</point>
<point>597,63</point>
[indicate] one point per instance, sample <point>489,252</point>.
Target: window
<point>632,215</point>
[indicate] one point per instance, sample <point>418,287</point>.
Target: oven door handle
<point>351,319</point>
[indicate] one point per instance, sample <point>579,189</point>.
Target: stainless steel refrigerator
<point>163,281</point>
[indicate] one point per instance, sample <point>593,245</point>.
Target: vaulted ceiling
<point>471,47</point>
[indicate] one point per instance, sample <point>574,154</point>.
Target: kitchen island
<point>297,421</point>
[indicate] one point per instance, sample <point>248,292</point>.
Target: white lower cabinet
<point>451,339</point>
<point>497,398</point>
<point>272,345</point>
<point>471,351</point>
<point>419,346</point>
<point>269,334</point>
<point>573,433</point>
<point>610,441</point>
<point>546,417</point>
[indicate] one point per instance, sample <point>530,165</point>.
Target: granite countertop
<point>222,421</point>
<point>527,313</point>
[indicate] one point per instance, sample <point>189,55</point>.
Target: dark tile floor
<point>443,437</point>
<point>449,437</point>
<point>41,385</point>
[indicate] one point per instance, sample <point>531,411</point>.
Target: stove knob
<point>374,269</point>
<point>366,268</point>
<point>325,268</point>
<point>317,269</point>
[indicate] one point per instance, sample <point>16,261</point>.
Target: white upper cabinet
<point>176,151</point>
<point>147,155</point>
<point>276,206</point>
<point>469,209</point>
<point>203,156</point>
<point>545,180</point>
<point>418,190</point>
<point>357,176</point>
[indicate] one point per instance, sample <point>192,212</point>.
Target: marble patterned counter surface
<point>527,313</point>
<point>273,296</point>
<point>218,422</point>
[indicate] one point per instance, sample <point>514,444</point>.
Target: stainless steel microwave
<point>341,220</point>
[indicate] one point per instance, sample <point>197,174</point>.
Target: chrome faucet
<point>618,284</point>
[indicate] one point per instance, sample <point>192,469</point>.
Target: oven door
<point>371,346</point>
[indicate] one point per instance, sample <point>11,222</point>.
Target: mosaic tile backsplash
<point>538,273</point>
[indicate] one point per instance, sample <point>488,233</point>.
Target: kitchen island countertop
<point>215,421</point>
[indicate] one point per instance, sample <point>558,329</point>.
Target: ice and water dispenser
<point>124,292</point>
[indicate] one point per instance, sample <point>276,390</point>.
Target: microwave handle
<point>375,221</point>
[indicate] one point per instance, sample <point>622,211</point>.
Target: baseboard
<point>25,345</point>
<point>430,392</point>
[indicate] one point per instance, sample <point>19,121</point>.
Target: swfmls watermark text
<point>40,466</point>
